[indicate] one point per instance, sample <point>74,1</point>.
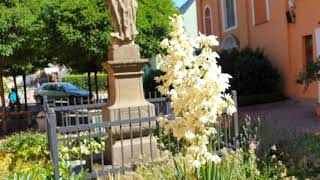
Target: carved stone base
<point>126,100</point>
<point>130,113</point>
<point>124,52</point>
<point>141,149</point>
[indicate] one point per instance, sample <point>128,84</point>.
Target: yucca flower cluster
<point>196,86</point>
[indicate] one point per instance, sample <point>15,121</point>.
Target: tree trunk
<point>16,88</point>
<point>89,84</point>
<point>15,84</point>
<point>3,103</point>
<point>96,84</point>
<point>25,92</point>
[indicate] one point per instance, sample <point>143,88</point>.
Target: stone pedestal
<point>140,149</point>
<point>126,96</point>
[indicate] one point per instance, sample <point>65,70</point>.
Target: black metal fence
<point>80,139</point>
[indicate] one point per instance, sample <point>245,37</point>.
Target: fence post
<point>235,118</point>
<point>52,122</point>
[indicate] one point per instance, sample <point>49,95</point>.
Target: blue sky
<point>179,3</point>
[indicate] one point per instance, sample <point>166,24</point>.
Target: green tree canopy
<point>79,30</point>
<point>153,24</point>
<point>22,38</point>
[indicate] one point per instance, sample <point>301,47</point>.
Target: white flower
<point>190,135</point>
<point>196,164</point>
<point>215,158</point>
<point>204,119</point>
<point>273,156</point>
<point>162,121</point>
<point>207,40</point>
<point>280,163</point>
<point>257,173</point>
<point>164,43</point>
<point>197,91</point>
<point>231,110</point>
<point>274,148</point>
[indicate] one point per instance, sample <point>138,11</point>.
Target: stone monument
<point>124,65</point>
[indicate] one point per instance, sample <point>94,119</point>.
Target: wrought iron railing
<point>78,136</point>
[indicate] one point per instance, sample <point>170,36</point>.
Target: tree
<point>153,25</point>
<point>78,33</point>
<point>79,30</point>
<point>21,39</point>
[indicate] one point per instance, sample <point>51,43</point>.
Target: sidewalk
<point>290,114</point>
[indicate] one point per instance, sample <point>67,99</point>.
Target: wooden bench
<point>4,118</point>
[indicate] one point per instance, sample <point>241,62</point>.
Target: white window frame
<point>254,14</point>
<point>204,19</point>
<point>224,17</point>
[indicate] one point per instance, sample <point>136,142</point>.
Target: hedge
<point>255,99</point>
<point>81,81</point>
<point>251,70</point>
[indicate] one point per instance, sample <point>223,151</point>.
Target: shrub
<point>81,81</point>
<point>25,153</point>
<point>149,84</point>
<point>254,99</point>
<point>251,70</point>
<point>311,74</point>
<point>26,156</point>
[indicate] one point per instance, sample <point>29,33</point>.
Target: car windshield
<point>70,87</point>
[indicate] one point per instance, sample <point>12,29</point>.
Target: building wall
<point>272,36</point>
<point>191,21</point>
<point>307,20</point>
<point>282,41</point>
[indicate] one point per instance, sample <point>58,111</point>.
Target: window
<point>207,21</point>
<point>229,14</point>
<point>230,42</point>
<point>45,87</point>
<point>308,45</point>
<point>260,11</point>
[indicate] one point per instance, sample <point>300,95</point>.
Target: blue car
<point>60,91</point>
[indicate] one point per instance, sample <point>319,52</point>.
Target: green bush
<point>26,156</point>
<point>150,71</point>
<point>251,70</point>
<point>149,84</point>
<point>81,81</point>
<point>25,153</point>
<point>248,100</point>
<point>310,74</point>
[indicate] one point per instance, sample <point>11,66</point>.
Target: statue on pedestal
<point>123,13</point>
<point>125,94</point>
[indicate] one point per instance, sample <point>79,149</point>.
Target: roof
<point>185,6</point>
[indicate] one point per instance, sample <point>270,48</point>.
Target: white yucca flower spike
<point>198,95</point>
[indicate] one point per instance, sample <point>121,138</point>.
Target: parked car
<point>60,91</point>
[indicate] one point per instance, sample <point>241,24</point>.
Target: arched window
<point>230,42</point>
<point>207,21</point>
